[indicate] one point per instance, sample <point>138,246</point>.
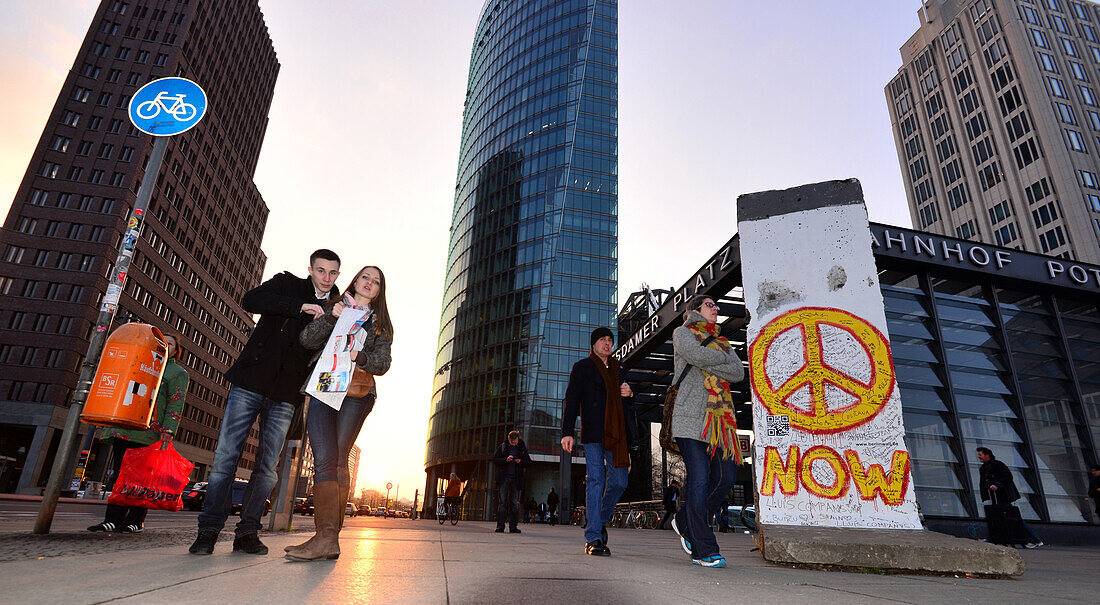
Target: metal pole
<point>99,338</point>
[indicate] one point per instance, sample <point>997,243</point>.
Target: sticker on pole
<point>167,106</point>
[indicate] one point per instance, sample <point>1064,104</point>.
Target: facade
<point>996,118</point>
<point>199,249</point>
<point>532,262</point>
<point>992,346</point>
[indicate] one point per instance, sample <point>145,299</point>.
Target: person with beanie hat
<point>597,394</point>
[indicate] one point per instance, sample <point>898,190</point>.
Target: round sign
<point>389,486</point>
<point>167,106</point>
<point>826,369</point>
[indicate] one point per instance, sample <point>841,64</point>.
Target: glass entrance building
<point>532,262</point>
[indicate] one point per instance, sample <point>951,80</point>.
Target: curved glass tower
<point>532,262</point>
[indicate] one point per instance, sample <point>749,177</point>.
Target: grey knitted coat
<point>374,359</point>
<point>691,400</point>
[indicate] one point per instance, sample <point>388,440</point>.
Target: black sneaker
<point>514,530</point>
<point>249,543</point>
<point>204,544</point>
<point>105,526</point>
<point>500,530</point>
<point>597,548</point>
<point>133,528</point>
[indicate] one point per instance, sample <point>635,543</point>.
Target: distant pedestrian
<point>552,501</point>
<point>354,333</point>
<point>266,378</point>
<point>510,459</point>
<point>598,395</point>
<point>1094,487</point>
<point>996,484</point>
<point>670,501</point>
<point>704,426</point>
<point>165,423</point>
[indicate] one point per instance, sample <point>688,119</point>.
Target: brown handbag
<point>665,436</point>
<point>361,382</point>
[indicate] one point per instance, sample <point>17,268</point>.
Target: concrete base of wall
<point>896,550</point>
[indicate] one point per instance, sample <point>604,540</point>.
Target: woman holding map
<point>703,425</point>
<point>353,341</point>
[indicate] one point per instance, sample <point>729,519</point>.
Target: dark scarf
<point>614,422</point>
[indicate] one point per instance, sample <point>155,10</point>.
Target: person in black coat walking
<point>266,379</point>
<point>510,459</point>
<point>552,501</point>
<point>996,484</point>
<point>1094,487</point>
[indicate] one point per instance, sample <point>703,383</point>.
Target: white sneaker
<point>1034,544</point>
<point>683,541</point>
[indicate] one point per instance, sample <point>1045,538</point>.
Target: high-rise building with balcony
<point>199,249</point>
<point>532,262</point>
<point>996,117</point>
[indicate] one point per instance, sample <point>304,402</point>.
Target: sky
<point>717,98</point>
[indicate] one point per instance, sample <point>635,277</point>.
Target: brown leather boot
<point>343,477</point>
<point>325,544</point>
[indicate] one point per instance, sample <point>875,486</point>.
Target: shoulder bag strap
<point>689,366</point>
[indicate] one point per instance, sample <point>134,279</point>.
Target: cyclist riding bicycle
<point>453,493</point>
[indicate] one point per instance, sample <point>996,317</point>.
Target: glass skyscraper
<point>532,262</point>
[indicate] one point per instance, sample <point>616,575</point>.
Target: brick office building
<point>199,249</point>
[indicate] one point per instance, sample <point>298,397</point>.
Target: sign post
<point>161,108</point>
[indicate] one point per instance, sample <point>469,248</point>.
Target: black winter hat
<point>599,333</point>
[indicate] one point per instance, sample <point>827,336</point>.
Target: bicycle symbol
<point>816,373</point>
<point>180,110</point>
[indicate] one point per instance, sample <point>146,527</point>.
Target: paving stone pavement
<point>403,561</point>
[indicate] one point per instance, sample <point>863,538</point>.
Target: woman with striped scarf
<point>704,426</point>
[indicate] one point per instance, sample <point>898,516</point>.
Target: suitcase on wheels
<point>1005,524</point>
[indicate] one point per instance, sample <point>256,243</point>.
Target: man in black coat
<point>552,504</point>
<point>996,484</point>
<point>510,458</point>
<point>1094,486</point>
<point>600,397</point>
<point>670,500</point>
<point>266,379</point>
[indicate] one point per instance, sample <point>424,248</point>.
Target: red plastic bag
<point>152,478</point>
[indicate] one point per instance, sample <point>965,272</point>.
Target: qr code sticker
<point>779,426</point>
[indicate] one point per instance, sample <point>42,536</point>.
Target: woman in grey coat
<point>704,426</point>
<point>332,433</point>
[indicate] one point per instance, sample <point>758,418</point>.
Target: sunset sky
<point>717,98</point>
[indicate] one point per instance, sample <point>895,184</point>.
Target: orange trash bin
<point>127,379</point>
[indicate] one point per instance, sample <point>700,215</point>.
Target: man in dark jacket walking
<point>510,458</point>
<point>671,500</point>
<point>1094,487</point>
<point>266,379</point>
<point>996,485</point>
<point>552,501</point>
<point>597,394</point>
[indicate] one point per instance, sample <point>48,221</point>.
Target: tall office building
<point>199,249</point>
<point>996,117</point>
<point>532,263</point>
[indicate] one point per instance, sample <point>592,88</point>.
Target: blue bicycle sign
<point>167,106</point>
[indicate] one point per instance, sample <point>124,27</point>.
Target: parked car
<point>194,495</point>
<point>744,516</point>
<point>195,498</point>
<point>351,510</point>
<point>307,505</point>
<point>365,511</point>
<point>378,512</point>
<point>300,506</point>
<point>390,512</point>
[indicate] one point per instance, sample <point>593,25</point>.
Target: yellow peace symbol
<point>870,397</point>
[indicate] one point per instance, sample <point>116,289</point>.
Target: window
<point>90,71</point>
<point>1088,179</point>
<point>966,230</point>
<point>1037,190</point>
<point>39,197</point>
<point>123,53</point>
<point>1026,153</point>
<point>1046,62</point>
<point>60,143</point>
<point>113,76</point>
<point>1092,202</point>
<point>96,178</point>
<point>1078,71</point>
<point>1057,88</point>
<point>95,123</point>
<point>142,56</point>
<point>104,99</point>
<point>1000,212</point>
<point>983,150</point>
<point>1052,239</point>
<point>989,176</point>
<point>1075,141</point>
<point>1065,113</point>
<point>81,94</point>
<point>1038,38</point>
<point>115,126</point>
<point>1018,126</point>
<point>1087,96</point>
<point>1030,15</point>
<point>71,118</point>
<point>1005,234</point>
<point>1010,101</point>
<point>1044,214</point>
<point>126,155</point>
<point>1070,47</point>
<point>15,254</point>
<point>105,151</point>
<point>49,170</point>
<point>1059,24</point>
<point>162,59</point>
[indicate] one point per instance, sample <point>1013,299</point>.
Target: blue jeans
<point>605,484</point>
<point>241,409</point>
<point>332,433</point>
<point>708,481</point>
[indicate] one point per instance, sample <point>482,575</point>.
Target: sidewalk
<point>403,561</point>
